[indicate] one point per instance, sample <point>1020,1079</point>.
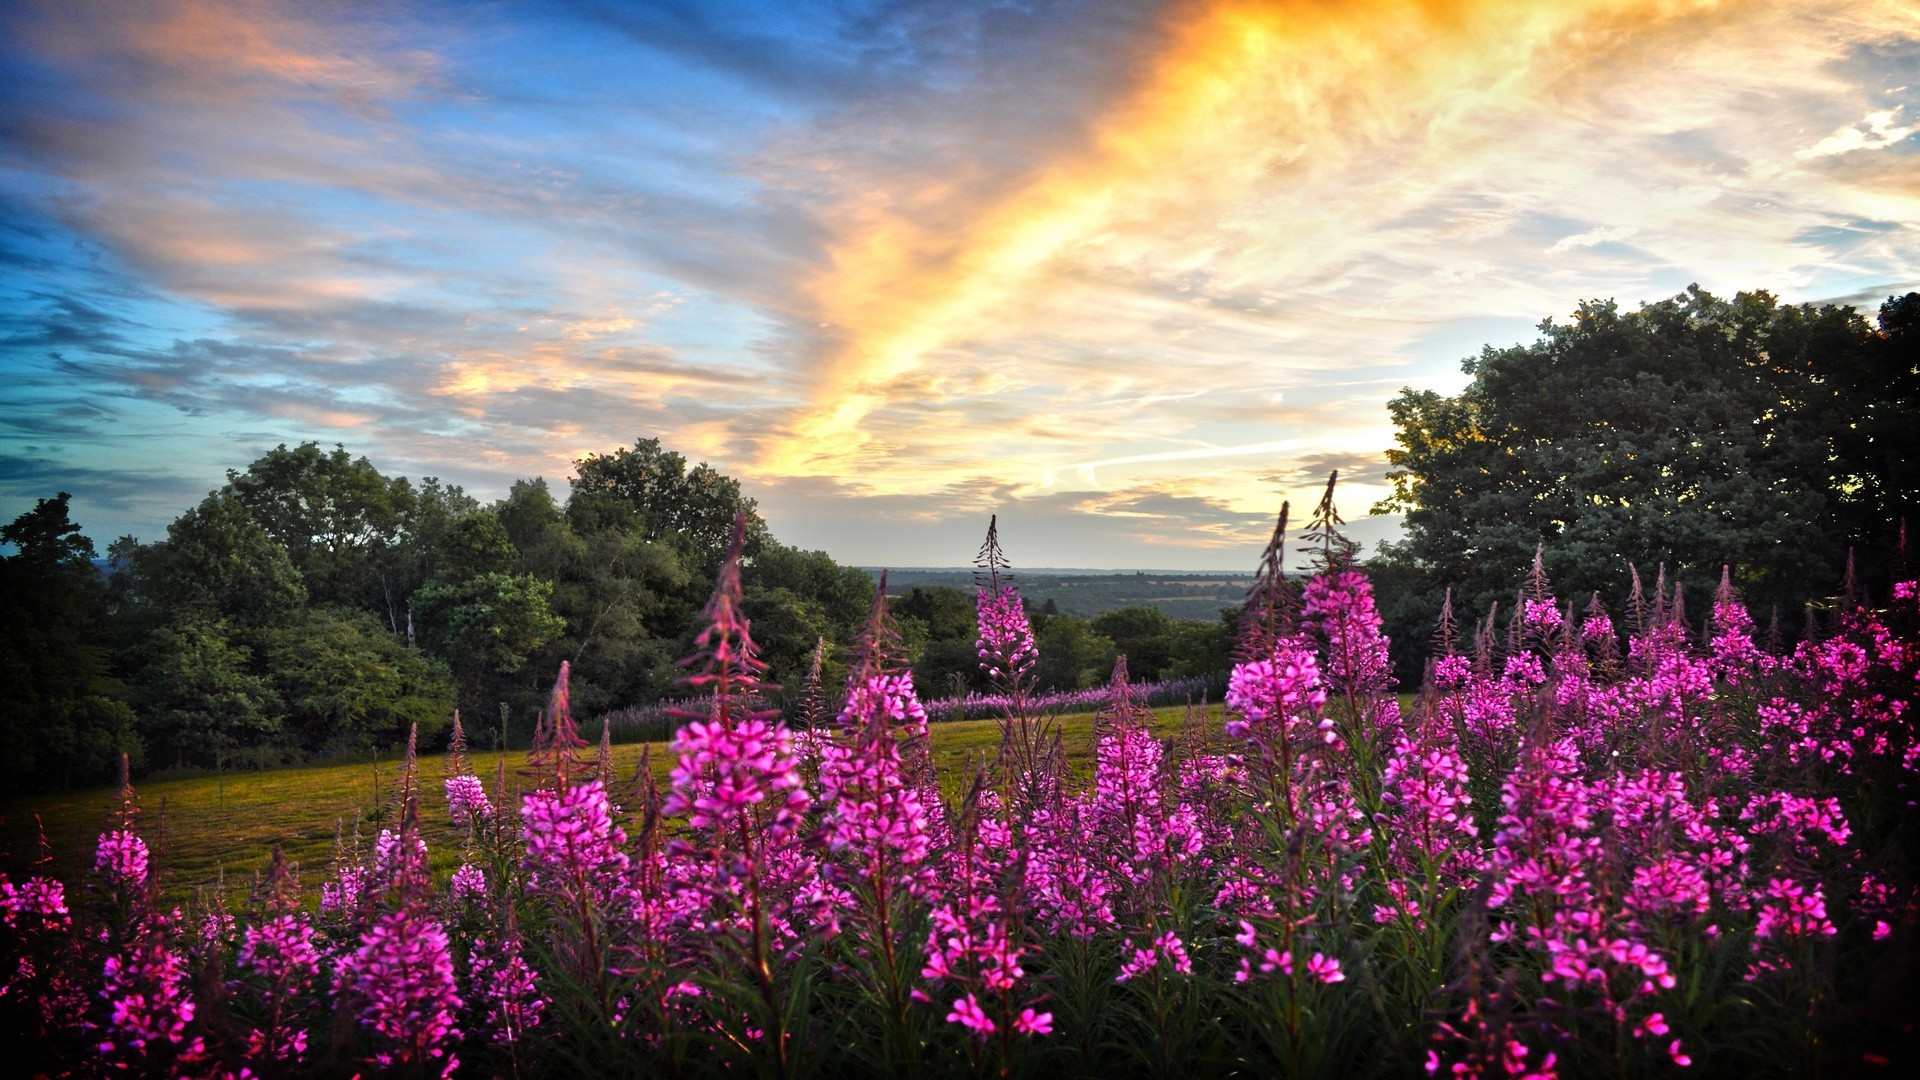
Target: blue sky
<point>1126,274</point>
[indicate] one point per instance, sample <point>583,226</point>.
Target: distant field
<point>219,830</point>
<point>1181,595</point>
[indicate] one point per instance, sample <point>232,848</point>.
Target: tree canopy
<point>315,605</point>
<point>1693,432</point>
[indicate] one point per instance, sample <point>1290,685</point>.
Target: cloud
<point>1603,235</point>
<point>902,263</point>
<point>1876,131</point>
<point>1169,235</point>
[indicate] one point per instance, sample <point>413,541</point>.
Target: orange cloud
<point>1244,101</point>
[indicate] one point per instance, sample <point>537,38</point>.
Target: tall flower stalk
<point>738,783</point>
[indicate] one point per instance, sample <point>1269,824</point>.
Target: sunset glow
<point>1126,274</point>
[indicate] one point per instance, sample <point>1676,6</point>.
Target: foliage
<point>486,625</point>
<point>1691,433</point>
<point>316,605</point>
<point>692,509</point>
<point>1073,655</point>
<point>218,563</point>
<point>1144,635</point>
<point>348,684</point>
<point>64,718</point>
<point>200,695</point>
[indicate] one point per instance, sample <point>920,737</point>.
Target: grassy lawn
<point>215,831</point>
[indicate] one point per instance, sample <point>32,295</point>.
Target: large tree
<point>692,508</point>
<point>1693,432</point>
<point>63,719</point>
<point>336,515</point>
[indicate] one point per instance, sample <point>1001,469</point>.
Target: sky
<point>1126,274</point>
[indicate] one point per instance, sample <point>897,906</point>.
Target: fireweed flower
<point>36,904</point>
<point>467,801</point>
<point>1167,946</point>
<point>731,774</point>
<point>468,885</point>
<point>344,895</point>
<point>967,1013</point>
<point>281,952</point>
<point>1270,695</point>
<point>391,857</point>
<point>1005,644</point>
<point>1338,609</point>
<point>148,1000</point>
<point>1068,881</point>
<point>504,989</point>
<point>121,858</point>
<point>870,815</point>
<point>570,835</point>
<point>400,982</point>
<point>1430,824</point>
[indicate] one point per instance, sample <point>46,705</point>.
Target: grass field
<point>214,832</point>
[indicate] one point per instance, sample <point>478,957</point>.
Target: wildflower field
<point>1627,843</point>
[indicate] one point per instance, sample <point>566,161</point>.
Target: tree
<point>937,625</point>
<point>844,593</point>
<point>691,508</point>
<point>218,563</point>
<point>335,515</point>
<point>1693,432</point>
<point>63,719</point>
<point>410,561</point>
<point>1144,635</point>
<point>485,624</point>
<point>348,685</point>
<point>946,611</point>
<point>1072,655</point>
<point>1203,649</point>
<point>626,600</point>
<point>200,697</point>
<point>46,540</point>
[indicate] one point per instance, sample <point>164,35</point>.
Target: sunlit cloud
<point>1128,272</point>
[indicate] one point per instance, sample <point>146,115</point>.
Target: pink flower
<point>968,1014</point>
<point>1033,1023</point>
<point>149,1000</point>
<point>469,885</point>
<point>121,858</point>
<point>1326,969</point>
<point>37,901</point>
<point>467,800</point>
<point>570,834</point>
<point>872,815</point>
<point>1338,608</point>
<point>507,989</point>
<point>1269,694</point>
<point>1005,644</point>
<point>401,981</point>
<point>727,769</point>
<point>282,950</point>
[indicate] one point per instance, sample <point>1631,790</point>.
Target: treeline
<point>1690,434</point>
<point>314,606</point>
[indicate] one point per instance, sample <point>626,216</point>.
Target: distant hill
<point>1182,594</point>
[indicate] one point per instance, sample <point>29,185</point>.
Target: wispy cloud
<point>1134,271</point>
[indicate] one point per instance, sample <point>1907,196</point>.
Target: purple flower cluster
<point>401,977</point>
<point>467,800</point>
<point>1546,857</point>
<point>1005,644</point>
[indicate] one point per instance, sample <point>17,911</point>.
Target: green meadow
<point>211,833</point>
